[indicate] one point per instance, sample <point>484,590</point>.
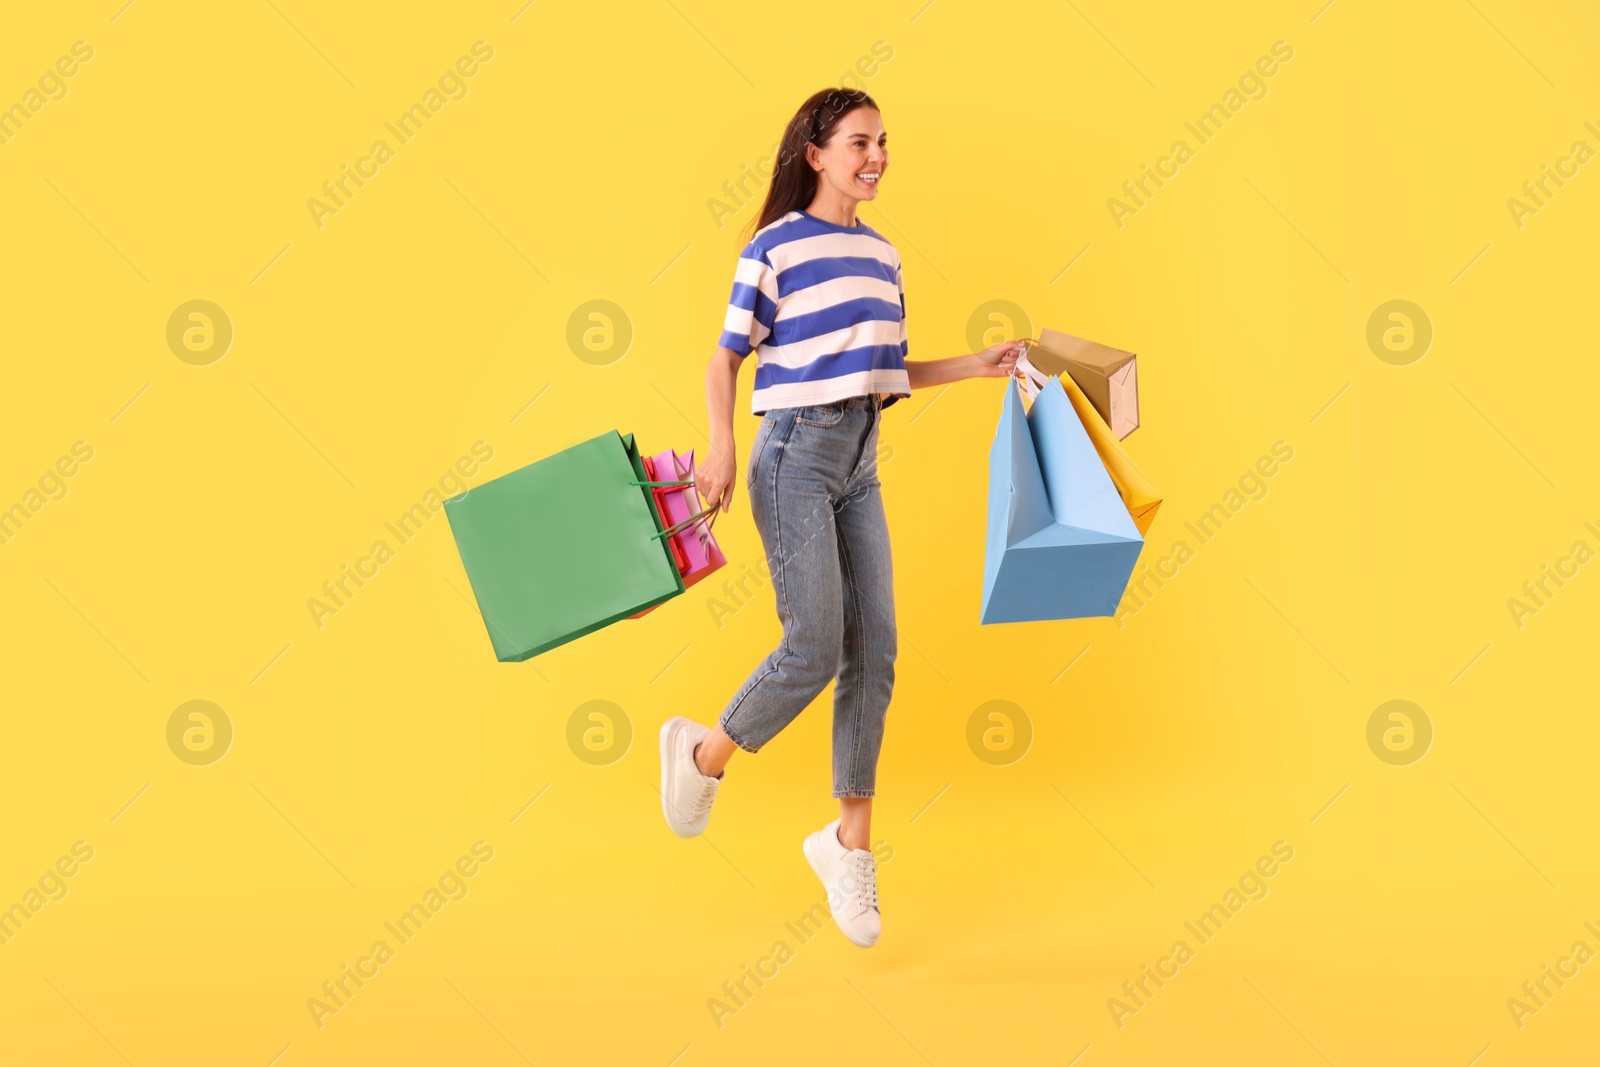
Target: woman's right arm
<point>717,477</point>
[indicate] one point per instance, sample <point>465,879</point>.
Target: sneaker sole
<point>666,806</point>
<point>811,847</point>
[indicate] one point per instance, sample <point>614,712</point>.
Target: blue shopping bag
<point>1060,541</point>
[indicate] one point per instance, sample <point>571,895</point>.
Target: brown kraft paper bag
<point>1108,376</point>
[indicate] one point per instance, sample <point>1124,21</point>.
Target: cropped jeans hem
<point>743,745</point>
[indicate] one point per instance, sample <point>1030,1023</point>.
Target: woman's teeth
<point>869,178</point>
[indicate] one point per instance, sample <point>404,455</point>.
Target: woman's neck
<point>839,210</point>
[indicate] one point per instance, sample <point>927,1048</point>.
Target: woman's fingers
<point>715,496</point>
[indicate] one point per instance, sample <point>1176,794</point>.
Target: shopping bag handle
<point>1030,379</point>
<point>682,483</point>
<point>690,474</point>
<point>679,527</point>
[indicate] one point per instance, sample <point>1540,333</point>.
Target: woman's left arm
<point>996,361</point>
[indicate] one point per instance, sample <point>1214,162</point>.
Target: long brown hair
<point>794,183</point>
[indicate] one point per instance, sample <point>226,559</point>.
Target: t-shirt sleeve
<point>753,305</point>
<point>900,280</point>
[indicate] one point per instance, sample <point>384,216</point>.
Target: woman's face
<point>854,160</point>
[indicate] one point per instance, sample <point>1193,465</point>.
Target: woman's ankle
<point>855,839</point>
<point>855,822</point>
<point>695,755</point>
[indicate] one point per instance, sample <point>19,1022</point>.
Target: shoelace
<point>702,799</point>
<point>866,894</point>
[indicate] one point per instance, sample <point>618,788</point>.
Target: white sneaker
<point>686,794</point>
<point>851,879</point>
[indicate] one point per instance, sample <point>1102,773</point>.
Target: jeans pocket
<point>823,415</point>
<point>763,433</point>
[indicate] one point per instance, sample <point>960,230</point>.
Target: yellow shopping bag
<point>1137,492</point>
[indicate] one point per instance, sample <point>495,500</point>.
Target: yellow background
<point>372,352</point>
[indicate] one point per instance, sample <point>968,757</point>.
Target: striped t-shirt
<point>824,307</point>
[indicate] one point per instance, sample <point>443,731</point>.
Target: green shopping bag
<point>564,546</point>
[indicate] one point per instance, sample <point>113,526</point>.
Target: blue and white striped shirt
<point>824,307</point>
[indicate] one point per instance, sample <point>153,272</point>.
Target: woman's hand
<point>996,361</point>
<point>999,360</point>
<point>715,478</point>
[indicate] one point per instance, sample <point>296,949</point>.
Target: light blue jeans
<point>815,496</point>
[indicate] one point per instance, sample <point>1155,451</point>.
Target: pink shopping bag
<point>679,503</point>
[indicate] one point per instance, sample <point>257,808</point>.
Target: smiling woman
<point>819,298</point>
